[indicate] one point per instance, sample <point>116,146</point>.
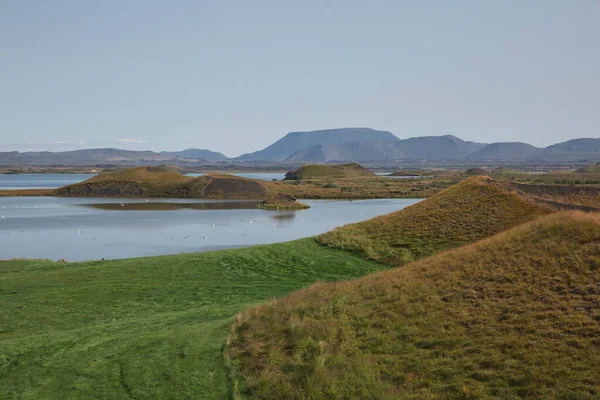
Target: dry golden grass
<point>473,210</point>
<point>513,316</point>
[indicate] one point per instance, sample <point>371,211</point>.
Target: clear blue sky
<point>234,76</point>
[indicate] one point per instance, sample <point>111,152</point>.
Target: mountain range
<point>364,145</point>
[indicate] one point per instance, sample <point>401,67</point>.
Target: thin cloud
<point>131,141</point>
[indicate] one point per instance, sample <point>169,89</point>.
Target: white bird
<point>205,237</point>
<point>122,205</point>
<point>273,226</point>
<point>214,225</point>
<point>3,217</point>
<point>251,222</point>
<point>78,232</point>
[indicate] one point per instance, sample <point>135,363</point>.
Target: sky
<point>235,76</point>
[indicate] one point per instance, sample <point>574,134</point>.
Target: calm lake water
<point>39,181</point>
<point>53,181</point>
<point>87,229</point>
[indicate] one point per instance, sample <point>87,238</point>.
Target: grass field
<point>143,328</point>
<point>516,316</point>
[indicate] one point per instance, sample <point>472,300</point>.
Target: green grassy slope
<point>142,328</point>
<point>470,211</point>
<point>510,317</point>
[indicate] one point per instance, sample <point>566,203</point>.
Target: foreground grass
<point>470,211</point>
<point>142,328</point>
<point>513,316</point>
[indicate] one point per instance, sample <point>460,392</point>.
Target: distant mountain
<point>428,148</point>
<point>102,156</point>
<point>585,149</point>
<point>505,152</point>
<point>295,141</point>
<point>356,151</point>
<point>198,154</point>
<point>436,148</point>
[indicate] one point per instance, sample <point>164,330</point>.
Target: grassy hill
<point>318,171</point>
<point>465,213</point>
<point>143,328</point>
<point>165,181</point>
<point>590,169</point>
<point>513,316</point>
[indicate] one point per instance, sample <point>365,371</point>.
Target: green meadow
<point>151,328</point>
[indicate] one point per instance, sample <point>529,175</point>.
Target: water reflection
<point>164,206</point>
<point>284,218</point>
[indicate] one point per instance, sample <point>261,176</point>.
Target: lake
<point>53,181</point>
<point>79,229</point>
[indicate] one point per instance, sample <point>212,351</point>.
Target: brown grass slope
<point>470,211</point>
<point>513,316</point>
<point>317,171</point>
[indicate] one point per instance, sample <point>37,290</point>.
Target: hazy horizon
<point>236,77</point>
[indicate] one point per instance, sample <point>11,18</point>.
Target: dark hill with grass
<point>282,201</point>
<point>318,171</point>
<point>514,316</point>
<point>470,211</point>
<point>165,181</point>
<point>476,172</point>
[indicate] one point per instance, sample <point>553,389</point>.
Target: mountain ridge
<point>341,145</point>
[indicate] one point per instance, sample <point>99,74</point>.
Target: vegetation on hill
<point>314,171</point>
<point>463,214</point>
<point>143,328</point>
<point>476,171</point>
<point>282,202</point>
<point>590,169</point>
<point>513,316</point>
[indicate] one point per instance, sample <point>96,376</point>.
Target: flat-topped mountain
<point>197,154</point>
<point>295,141</point>
<point>348,152</point>
<point>426,148</point>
